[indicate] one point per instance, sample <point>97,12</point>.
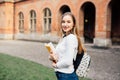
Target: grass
<point>13,68</point>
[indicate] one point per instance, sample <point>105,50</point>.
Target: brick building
<point>98,20</point>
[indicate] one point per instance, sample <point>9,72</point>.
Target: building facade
<point>98,21</point>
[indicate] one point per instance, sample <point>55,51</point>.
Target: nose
<point>65,24</point>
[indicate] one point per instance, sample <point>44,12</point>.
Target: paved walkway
<point>105,64</point>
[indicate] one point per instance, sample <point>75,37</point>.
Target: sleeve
<point>71,44</point>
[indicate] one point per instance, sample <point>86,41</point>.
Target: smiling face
<point>67,23</point>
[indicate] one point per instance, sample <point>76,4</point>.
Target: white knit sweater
<point>66,51</point>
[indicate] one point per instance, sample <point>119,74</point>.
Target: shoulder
<point>72,37</point>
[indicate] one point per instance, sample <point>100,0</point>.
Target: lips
<point>64,28</point>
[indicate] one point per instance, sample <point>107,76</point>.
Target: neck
<point>67,33</point>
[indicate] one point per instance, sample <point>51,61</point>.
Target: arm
<point>71,44</point>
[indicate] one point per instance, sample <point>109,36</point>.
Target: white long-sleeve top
<point>66,51</point>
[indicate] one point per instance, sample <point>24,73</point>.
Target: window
<point>21,22</point>
<point>47,20</point>
<point>32,21</point>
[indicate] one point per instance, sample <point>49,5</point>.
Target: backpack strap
<point>77,61</point>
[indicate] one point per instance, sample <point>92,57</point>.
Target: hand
<point>54,65</point>
<point>53,57</point>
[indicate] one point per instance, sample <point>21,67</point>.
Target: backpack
<point>81,64</point>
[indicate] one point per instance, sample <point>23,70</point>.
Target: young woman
<point>67,49</point>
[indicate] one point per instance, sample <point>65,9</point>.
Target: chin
<point>65,31</point>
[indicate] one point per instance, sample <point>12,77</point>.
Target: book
<point>50,47</point>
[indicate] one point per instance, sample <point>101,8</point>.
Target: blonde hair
<point>74,31</point>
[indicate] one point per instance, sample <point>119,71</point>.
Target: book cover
<point>50,47</point>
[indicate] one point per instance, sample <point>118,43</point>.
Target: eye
<point>68,21</point>
<point>63,21</point>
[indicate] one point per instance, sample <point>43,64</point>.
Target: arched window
<point>47,20</point>
<point>21,22</point>
<point>32,21</point>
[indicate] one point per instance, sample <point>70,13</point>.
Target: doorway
<point>89,22</point>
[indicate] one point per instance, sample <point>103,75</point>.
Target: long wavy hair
<point>74,31</point>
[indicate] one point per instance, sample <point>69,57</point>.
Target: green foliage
<point>13,68</point>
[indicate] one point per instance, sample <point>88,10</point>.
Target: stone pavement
<point>105,64</point>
